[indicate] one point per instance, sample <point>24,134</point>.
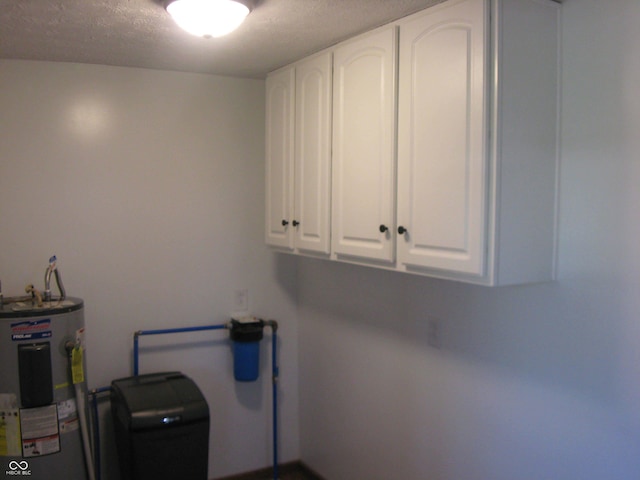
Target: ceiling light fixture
<point>208,18</point>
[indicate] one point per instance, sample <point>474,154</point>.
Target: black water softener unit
<point>161,423</point>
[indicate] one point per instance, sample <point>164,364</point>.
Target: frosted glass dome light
<point>208,18</point>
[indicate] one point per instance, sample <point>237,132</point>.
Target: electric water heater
<point>41,368</point>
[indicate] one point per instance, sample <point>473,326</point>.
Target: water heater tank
<point>39,424</point>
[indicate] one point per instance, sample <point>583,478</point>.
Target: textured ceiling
<point>140,33</point>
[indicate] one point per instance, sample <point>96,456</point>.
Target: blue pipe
<point>96,430</point>
<point>135,353</point>
<point>96,438</point>
<point>136,349</point>
<point>275,373</point>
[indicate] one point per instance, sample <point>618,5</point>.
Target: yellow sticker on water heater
<point>10,432</point>
<point>77,369</point>
<point>9,425</point>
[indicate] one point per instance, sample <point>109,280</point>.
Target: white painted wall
<point>149,187</point>
<point>154,206</point>
<point>529,383</point>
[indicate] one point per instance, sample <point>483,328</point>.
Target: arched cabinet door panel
<point>364,106</point>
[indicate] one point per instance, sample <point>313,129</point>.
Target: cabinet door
<point>442,151</point>
<point>313,154</point>
<point>280,96</point>
<point>364,147</point>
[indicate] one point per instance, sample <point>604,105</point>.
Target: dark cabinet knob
<point>285,223</point>
<point>295,223</point>
<point>402,230</point>
<point>383,228</point>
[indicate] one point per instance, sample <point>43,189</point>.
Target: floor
<point>289,471</point>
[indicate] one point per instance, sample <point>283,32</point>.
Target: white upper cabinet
<point>298,147</point>
<point>364,106</point>
<point>280,111</point>
<point>444,136</point>
<point>477,137</point>
<point>442,139</point>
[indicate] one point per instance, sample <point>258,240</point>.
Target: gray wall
<point>532,382</point>
<point>154,205</point>
<point>149,188</point>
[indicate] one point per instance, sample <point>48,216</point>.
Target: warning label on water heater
<point>39,427</point>
<point>31,330</point>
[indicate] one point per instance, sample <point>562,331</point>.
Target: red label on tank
<point>31,329</point>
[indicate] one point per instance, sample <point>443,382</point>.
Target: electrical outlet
<point>241,300</point>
